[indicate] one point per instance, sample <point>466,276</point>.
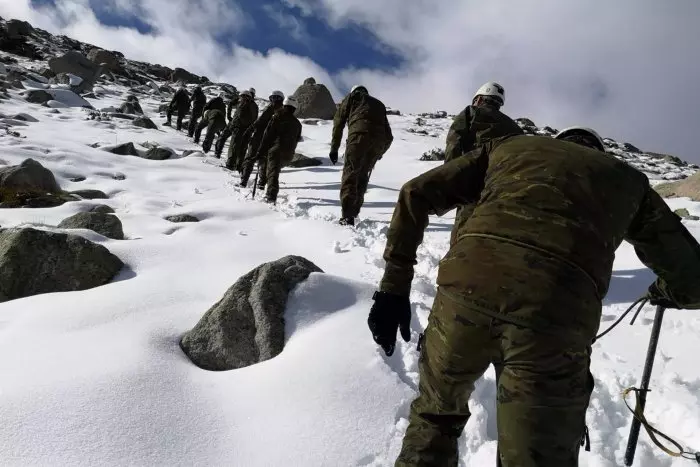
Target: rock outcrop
<point>107,225</point>
<point>314,101</point>
<point>247,325</point>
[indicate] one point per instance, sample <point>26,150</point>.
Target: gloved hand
<point>657,296</point>
<point>389,313</point>
<point>333,156</point>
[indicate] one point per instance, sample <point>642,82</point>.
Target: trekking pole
<point>644,388</point>
<point>255,183</point>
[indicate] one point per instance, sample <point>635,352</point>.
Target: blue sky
<point>624,68</point>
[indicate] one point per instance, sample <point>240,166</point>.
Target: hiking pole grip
<point>646,376</point>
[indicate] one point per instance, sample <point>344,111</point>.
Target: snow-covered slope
<point>97,378</point>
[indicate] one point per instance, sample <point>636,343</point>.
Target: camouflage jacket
<point>231,106</point>
<point>539,247</point>
<point>246,113</point>
<point>257,129</point>
<point>363,114</point>
<point>199,100</point>
<point>180,100</point>
<point>475,126</point>
<point>282,134</point>
<point>216,103</point>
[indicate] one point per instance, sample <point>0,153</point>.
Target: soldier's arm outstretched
<point>435,192</point>
<point>662,243</point>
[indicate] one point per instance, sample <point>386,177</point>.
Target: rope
<point>641,302</point>
<point>655,434</point>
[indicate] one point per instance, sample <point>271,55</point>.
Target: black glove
<point>333,156</point>
<point>389,313</point>
<point>657,296</point>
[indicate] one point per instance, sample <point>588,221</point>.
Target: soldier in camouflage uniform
<point>522,288</point>
<point>257,130</point>
<point>245,116</point>
<point>369,137</point>
<point>476,125</point>
<point>215,121</point>
<point>278,144</point>
<point>232,104</point>
<point>199,100</point>
<point>180,103</point>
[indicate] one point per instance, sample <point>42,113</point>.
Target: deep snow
<point>97,378</point>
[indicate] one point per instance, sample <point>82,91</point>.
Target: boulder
<point>314,101</point>
<point>77,64</point>
<point>393,112</point>
<point>34,262</point>
<point>131,107</point>
<point>525,122</point>
<point>108,59</point>
<point>436,154</point>
<point>688,188</point>
<point>247,325</point>
<point>37,96</point>
<point>300,160</point>
<point>105,224</point>
<point>181,218</point>
<point>145,122</point>
<point>29,176</point>
<point>102,208</point>
<point>180,74</point>
<point>90,194</point>
<point>17,28</point>
<point>124,149</point>
<point>158,153</point>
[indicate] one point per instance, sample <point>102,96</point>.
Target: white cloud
<point>289,23</point>
<point>184,35</point>
<point>628,68</point>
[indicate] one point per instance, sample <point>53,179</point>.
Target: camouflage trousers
<point>275,160</point>
<point>543,389</point>
<point>237,149</point>
<point>214,126</point>
<point>249,162</point>
<point>180,116</point>
<point>361,154</point>
<point>194,118</point>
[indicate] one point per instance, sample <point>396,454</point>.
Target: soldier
<point>215,121</point>
<point>474,126</point>
<point>181,103</point>
<point>522,288</point>
<point>232,104</point>
<point>245,116</point>
<point>369,137</point>
<point>198,102</point>
<point>257,131</point>
<point>278,144</point>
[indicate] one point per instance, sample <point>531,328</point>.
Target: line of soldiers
<point>521,288</point>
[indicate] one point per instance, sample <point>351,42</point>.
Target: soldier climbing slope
<point>522,288</point>
<point>180,103</point>
<point>232,104</point>
<point>245,116</point>
<point>278,144</point>
<point>476,125</point>
<point>215,121</point>
<point>369,137</point>
<point>198,102</point>
<point>257,130</point>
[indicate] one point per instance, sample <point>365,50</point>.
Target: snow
<point>97,377</point>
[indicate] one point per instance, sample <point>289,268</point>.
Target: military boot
<point>347,221</point>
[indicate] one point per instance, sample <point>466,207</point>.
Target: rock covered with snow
<point>29,176</point>
<point>107,225</point>
<point>688,188</point>
<point>180,218</point>
<point>75,63</point>
<point>106,58</point>
<point>35,261</point>
<point>247,325</point>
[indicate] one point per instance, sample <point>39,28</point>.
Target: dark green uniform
<point>522,288</point>
<point>199,100</point>
<point>180,103</point>
<point>215,121</point>
<point>221,141</point>
<point>257,131</point>
<point>278,144</point>
<point>216,103</point>
<point>369,137</point>
<point>231,106</point>
<point>245,116</point>
<point>471,129</point>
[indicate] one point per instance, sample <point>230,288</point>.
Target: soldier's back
<point>367,115</point>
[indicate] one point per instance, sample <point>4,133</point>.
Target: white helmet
<point>492,89</point>
<point>252,92</point>
<point>291,102</point>
<point>279,94</point>
<point>581,130</point>
<point>358,86</point>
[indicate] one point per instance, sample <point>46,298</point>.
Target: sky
<point>627,68</point>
